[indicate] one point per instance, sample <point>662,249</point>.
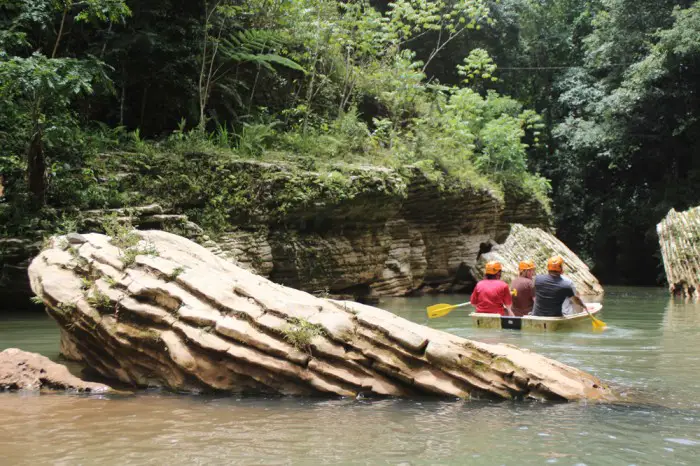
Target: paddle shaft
<point>462,305</point>
<point>591,315</point>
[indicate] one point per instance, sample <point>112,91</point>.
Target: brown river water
<point>651,352</point>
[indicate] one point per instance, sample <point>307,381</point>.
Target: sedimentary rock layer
<point>679,239</point>
<point>168,312</point>
<point>386,234</point>
<point>538,245</point>
<point>382,243</point>
<point>20,370</point>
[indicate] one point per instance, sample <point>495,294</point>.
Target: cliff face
<point>426,238</point>
<point>679,233</point>
<point>370,232</point>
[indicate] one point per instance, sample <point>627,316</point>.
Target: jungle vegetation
<point>589,105</point>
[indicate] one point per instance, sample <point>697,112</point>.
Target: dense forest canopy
<point>598,98</point>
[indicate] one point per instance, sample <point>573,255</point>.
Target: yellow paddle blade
<point>439,310</point>
<point>598,325</point>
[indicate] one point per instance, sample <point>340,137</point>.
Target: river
<point>651,351</point>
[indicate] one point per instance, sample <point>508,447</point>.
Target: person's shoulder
<point>567,281</point>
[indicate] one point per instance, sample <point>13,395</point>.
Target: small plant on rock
<point>177,271</point>
<point>128,256</point>
<point>120,231</point>
<point>300,332</point>
<point>99,301</point>
<point>36,300</point>
<point>46,243</point>
<point>110,281</point>
<point>86,283</point>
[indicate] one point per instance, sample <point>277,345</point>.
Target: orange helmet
<point>555,264</point>
<point>492,268</point>
<point>526,265</point>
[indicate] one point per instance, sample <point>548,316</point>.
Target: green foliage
<point>177,271</point>
<point>37,300</point>
<point>128,255</point>
<point>121,231</point>
<point>299,333</point>
<point>110,281</point>
<point>477,65</point>
<point>325,87</point>
<point>99,300</point>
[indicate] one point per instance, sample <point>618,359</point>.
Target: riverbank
<point>328,227</point>
<point>649,348</point>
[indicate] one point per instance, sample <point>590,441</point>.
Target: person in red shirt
<point>492,295</point>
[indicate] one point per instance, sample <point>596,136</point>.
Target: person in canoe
<point>492,295</point>
<point>523,289</point>
<point>551,290</point>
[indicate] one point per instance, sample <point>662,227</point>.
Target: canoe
<point>540,324</point>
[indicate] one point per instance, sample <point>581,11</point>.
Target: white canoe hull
<point>540,324</point>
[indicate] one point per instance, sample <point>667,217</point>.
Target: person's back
<point>524,289</point>
<point>550,292</point>
<point>492,295</point>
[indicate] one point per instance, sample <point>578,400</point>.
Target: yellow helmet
<point>492,268</point>
<point>526,265</point>
<point>555,264</point>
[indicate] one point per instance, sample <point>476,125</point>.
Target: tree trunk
<point>36,168</point>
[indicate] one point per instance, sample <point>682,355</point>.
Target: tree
<point>43,87</point>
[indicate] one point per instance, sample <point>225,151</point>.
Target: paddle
<point>440,310</point>
<point>598,324</point>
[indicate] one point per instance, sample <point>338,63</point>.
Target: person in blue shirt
<point>551,290</point>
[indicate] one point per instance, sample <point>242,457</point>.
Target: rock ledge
<point>20,370</point>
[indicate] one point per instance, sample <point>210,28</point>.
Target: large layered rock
<point>168,312</point>
<point>679,239</point>
<point>20,370</point>
<point>538,245</point>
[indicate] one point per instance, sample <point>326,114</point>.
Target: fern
<point>257,46</point>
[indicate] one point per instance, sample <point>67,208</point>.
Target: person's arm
<point>508,301</point>
<point>577,299</point>
<point>474,300</point>
<point>509,309</point>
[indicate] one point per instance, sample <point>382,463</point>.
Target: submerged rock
<point>679,237</point>
<point>165,311</point>
<point>538,245</point>
<point>20,370</point>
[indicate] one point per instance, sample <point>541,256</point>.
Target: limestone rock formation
<point>153,308</point>
<point>20,370</point>
<point>380,242</point>
<point>384,233</point>
<point>538,245</point>
<point>679,239</point>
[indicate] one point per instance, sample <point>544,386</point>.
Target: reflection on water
<point>650,350</point>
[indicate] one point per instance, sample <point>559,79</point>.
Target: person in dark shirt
<point>523,289</point>
<point>492,295</point>
<point>552,289</point>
